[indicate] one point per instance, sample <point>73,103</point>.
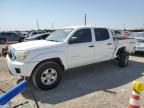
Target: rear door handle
<point>109,43</point>
<point>91,46</point>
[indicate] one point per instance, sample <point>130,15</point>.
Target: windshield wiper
<point>54,40</point>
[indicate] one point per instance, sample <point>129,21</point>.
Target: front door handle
<point>91,46</point>
<point>109,43</point>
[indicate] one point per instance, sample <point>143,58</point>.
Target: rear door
<point>80,48</point>
<point>104,47</point>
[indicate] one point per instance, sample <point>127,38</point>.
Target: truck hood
<point>35,45</point>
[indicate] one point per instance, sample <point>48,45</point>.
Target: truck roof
<point>75,27</point>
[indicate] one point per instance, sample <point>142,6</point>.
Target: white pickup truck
<point>45,60</point>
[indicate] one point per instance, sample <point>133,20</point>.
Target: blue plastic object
<point>4,98</point>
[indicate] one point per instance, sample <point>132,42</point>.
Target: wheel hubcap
<point>49,76</point>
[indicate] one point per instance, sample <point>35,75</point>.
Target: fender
<point>50,55</point>
<point>116,50</point>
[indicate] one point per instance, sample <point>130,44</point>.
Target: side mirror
<point>73,40</point>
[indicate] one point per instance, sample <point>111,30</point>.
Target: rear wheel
<point>47,75</point>
<point>123,59</point>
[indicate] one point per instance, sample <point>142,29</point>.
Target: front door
<point>80,48</point>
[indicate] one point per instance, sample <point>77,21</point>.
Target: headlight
<point>21,55</point>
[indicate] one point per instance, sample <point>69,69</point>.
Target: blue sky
<point>23,14</point>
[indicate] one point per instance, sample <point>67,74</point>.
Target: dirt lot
<point>102,85</point>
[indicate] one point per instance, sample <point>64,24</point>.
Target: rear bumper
<point>20,69</point>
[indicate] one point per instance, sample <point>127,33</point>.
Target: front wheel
<point>123,59</point>
<point>47,75</point>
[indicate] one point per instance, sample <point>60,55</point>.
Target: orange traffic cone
<point>134,100</point>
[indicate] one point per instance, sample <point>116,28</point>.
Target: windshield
<point>59,35</point>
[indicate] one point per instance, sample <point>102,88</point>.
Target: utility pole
<point>85,20</point>
<point>124,27</point>
<point>37,25</point>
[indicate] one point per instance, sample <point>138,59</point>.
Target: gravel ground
<point>102,85</point>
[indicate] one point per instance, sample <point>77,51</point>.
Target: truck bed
<point>128,43</point>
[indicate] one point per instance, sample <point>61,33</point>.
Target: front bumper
<point>20,69</point>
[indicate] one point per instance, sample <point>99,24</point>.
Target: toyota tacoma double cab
<point>45,60</point>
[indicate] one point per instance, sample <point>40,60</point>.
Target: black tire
<point>123,59</point>
<point>39,71</point>
<point>2,40</point>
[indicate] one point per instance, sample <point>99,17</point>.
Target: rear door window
<point>101,34</point>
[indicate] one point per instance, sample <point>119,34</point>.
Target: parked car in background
<point>10,37</point>
<point>139,37</point>
<point>126,34</point>
<point>25,33</point>
<point>121,34</point>
<point>116,34</point>
<point>35,33</point>
<point>37,37</point>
